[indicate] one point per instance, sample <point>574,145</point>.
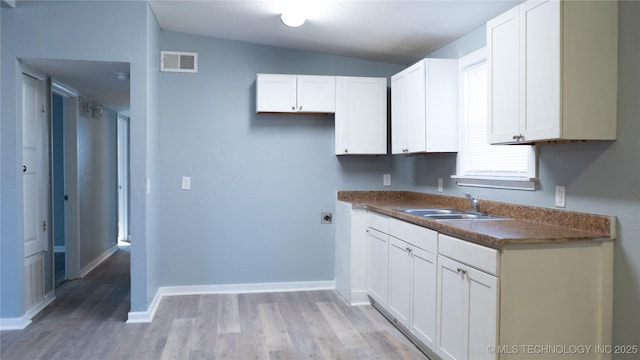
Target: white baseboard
<point>97,261</point>
<point>24,321</point>
<point>14,323</point>
<point>359,298</point>
<point>147,316</point>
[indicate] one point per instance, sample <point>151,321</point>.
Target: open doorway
<point>88,104</point>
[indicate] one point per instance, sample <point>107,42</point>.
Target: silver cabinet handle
<point>293,108</point>
<point>300,108</point>
<point>462,271</point>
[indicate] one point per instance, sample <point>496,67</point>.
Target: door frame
<point>72,223</point>
<point>123,177</point>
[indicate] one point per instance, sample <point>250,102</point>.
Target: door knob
<point>24,168</point>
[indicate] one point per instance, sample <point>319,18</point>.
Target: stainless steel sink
<point>449,214</point>
<point>424,212</point>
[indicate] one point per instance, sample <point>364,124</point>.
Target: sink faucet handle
<point>473,201</point>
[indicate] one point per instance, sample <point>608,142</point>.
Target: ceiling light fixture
<point>292,18</point>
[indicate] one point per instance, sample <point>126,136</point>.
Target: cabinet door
<point>504,73</point>
<point>276,93</point>
<point>482,313</point>
<point>416,109</point>
<point>361,115</point>
<point>423,296</point>
<point>378,266</point>
<point>540,36</point>
<point>399,280</point>
<point>399,113</point>
<point>316,94</point>
<point>451,301</point>
<point>467,311</point>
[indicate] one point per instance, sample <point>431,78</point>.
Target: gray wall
<point>600,177</point>
<point>97,183</point>
<point>259,182</point>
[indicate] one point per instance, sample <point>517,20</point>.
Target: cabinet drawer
<point>419,236</point>
<point>379,222</point>
<point>477,256</point>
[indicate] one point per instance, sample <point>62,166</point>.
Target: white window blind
<point>476,158</point>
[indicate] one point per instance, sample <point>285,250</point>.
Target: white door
<point>416,110</point>
<point>504,72</point>
<point>482,314</point>
<point>123,179</point>
<point>399,113</point>
<point>35,174</point>
<point>540,24</point>
<point>361,115</point>
<point>452,298</point>
<point>399,280</point>
<point>378,266</point>
<point>276,93</point>
<point>316,94</point>
<point>423,296</point>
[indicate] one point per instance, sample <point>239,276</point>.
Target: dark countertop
<point>521,224</point>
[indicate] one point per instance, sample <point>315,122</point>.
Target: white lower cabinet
<point>422,323</point>
<point>467,311</point>
<point>412,279</point>
<point>399,280</point>
<point>465,301</point>
<point>378,266</point>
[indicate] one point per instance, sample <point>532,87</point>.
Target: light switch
<point>186,183</point>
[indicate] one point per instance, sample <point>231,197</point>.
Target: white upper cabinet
<point>279,93</point>
<point>552,69</point>
<point>361,115</point>
<point>424,104</point>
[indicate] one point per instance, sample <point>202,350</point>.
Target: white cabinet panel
<point>316,94</point>
<point>276,93</point>
<point>423,296</point>
<point>399,280</point>
<point>503,59</point>
<point>378,266</point>
<point>282,93</point>
<point>467,311</point>
<point>424,107</point>
<point>361,115</point>
<point>553,72</point>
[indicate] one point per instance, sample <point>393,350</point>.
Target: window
<point>481,164</point>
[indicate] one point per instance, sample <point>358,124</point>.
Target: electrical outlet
<point>326,218</point>
<point>440,182</point>
<point>560,196</point>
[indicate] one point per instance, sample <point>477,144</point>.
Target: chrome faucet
<point>473,201</point>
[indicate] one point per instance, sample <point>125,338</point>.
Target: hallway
<point>83,322</point>
<point>87,321</point>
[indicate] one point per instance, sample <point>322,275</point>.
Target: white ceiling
<point>398,32</point>
<point>95,80</point>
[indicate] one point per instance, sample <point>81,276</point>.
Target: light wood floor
<point>87,321</point>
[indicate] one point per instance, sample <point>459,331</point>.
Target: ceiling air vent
<point>176,61</point>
